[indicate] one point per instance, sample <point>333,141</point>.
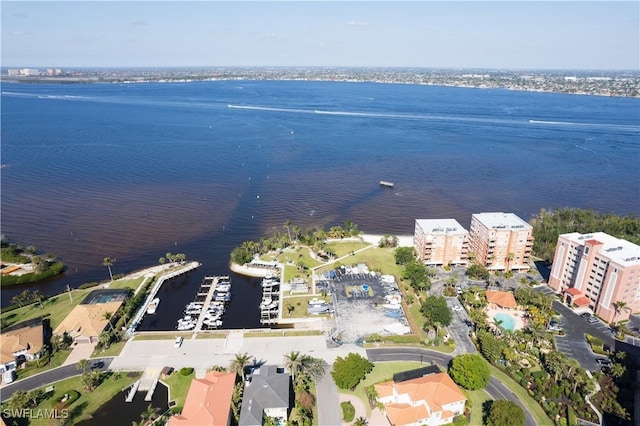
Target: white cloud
<point>20,33</point>
<point>358,23</point>
<point>323,45</point>
<point>139,23</point>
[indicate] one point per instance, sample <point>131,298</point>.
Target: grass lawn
<point>161,336</point>
<point>46,363</point>
<point>215,335</point>
<point>296,306</point>
<point>178,387</point>
<point>382,371</point>
<point>342,248</point>
<point>521,393</point>
<point>124,283</point>
<point>376,258</point>
<point>113,350</point>
<point>478,397</point>
<point>283,333</point>
<point>55,308</point>
<point>88,403</point>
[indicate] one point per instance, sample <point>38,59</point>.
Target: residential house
<point>85,322</point>
<point>208,401</point>
<point>266,394</point>
<point>21,340</point>
<point>430,400</point>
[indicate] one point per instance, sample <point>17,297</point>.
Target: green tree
<point>478,272</point>
<point>349,371</point>
<point>416,272</point>
<point>19,400</point>
<point>238,364</point>
<point>435,310</point>
<point>505,413</point>
<point>35,396</point>
<point>403,255</point>
<point>82,365</point>
<point>236,400</point>
<point>619,306</point>
<point>108,262</point>
<point>470,371</point>
<point>293,361</point>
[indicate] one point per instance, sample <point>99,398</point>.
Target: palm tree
<point>293,362</point>
<point>39,297</point>
<point>287,225</point>
<point>361,421</point>
<point>108,316</point>
<point>239,362</point>
<point>148,415</point>
<point>108,262</point>
<point>510,258</point>
<point>619,306</point>
<point>82,365</point>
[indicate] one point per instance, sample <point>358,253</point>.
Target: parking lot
<point>363,304</point>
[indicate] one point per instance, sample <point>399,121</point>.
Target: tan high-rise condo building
<point>598,271</point>
<point>441,242</point>
<point>501,241</point>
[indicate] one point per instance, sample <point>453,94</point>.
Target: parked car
<point>585,315</point>
<point>98,364</point>
<point>178,342</point>
<point>603,362</point>
<point>591,320</point>
<point>458,289</point>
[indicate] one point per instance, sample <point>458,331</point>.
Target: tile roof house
<point>503,299</point>
<point>266,394</point>
<point>208,401</point>
<point>429,400</point>
<point>86,322</point>
<point>27,341</point>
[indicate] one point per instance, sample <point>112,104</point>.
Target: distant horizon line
<point>358,67</point>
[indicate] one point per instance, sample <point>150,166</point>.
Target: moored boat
<point>153,306</point>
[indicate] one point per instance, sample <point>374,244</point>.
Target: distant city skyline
<point>493,35</point>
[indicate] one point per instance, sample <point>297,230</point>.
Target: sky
<point>453,34</point>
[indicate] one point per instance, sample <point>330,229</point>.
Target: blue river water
<point>133,171</point>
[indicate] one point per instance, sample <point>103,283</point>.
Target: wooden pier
<point>210,284</point>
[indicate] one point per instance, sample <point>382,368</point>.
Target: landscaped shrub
<point>571,417</point>
<point>185,371</point>
<point>72,397</point>
<point>88,285</point>
<point>348,411</point>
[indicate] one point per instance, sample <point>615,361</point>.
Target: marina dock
<point>154,291</point>
<point>209,284</point>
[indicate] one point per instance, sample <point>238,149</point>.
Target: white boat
<point>153,306</point>
<point>392,306</point>
<point>186,326</point>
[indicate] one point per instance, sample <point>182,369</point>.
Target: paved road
<point>329,413</point>
<point>47,378</point>
<point>495,389</point>
<point>459,328</point>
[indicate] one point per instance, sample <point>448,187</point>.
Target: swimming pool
<point>508,322</point>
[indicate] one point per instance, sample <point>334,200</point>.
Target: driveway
<point>459,328</point>
<point>329,413</point>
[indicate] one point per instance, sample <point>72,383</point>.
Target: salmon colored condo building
<point>441,242</point>
<point>599,272</point>
<point>501,241</point>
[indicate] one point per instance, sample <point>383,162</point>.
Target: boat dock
<point>271,305</point>
<point>209,285</point>
<point>154,291</point>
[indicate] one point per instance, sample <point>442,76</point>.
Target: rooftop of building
<point>441,226</point>
<point>620,251</point>
<point>29,338</point>
<point>500,220</point>
<point>267,387</point>
<point>87,320</point>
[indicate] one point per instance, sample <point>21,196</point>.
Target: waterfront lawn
<point>56,308</point>
<point>212,335</point>
<point>376,259</point>
<point>286,333</point>
<point>113,350</point>
<point>161,336</point>
<point>521,393</point>
<point>343,248</point>
<point>179,387</point>
<point>299,253</point>
<point>45,363</point>
<point>132,283</point>
<point>382,371</point>
<point>88,403</point>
